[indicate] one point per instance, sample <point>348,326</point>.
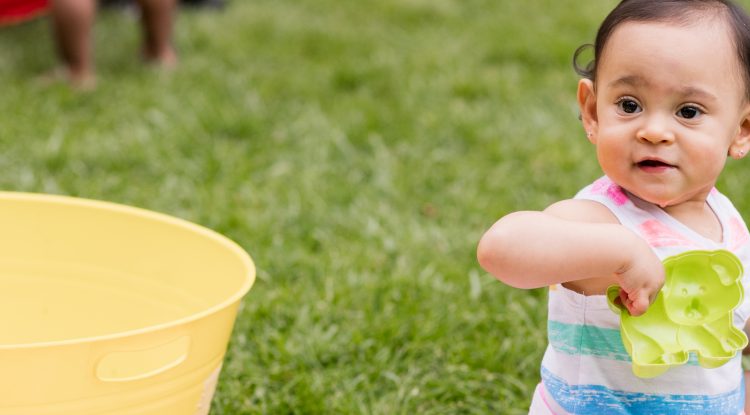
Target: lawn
<point>357,150</point>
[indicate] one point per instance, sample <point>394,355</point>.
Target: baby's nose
<point>655,130</point>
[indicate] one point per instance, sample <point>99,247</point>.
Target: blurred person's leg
<point>73,21</point>
<point>158,21</point>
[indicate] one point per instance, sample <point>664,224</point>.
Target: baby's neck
<point>698,216</point>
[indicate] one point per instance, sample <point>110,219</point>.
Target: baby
<point>665,102</point>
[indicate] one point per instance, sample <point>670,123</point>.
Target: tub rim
<point>232,246</point>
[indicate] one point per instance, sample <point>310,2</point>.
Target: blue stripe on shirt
<point>600,400</point>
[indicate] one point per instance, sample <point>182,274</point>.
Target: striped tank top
<point>586,370</point>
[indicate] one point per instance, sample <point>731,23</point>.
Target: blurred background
<point>357,150</point>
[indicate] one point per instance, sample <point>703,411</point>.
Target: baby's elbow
<point>485,255</point>
<point>493,257</point>
<point>501,249</point>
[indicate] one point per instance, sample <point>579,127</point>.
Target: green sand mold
<point>691,313</point>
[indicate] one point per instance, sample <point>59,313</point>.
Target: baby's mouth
<point>654,165</point>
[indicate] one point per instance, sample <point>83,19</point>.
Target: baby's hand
<point>640,280</point>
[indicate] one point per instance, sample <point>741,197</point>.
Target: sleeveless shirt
<point>586,369</point>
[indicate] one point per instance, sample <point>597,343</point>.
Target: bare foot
<point>85,81</point>
<point>82,81</point>
<point>164,59</point>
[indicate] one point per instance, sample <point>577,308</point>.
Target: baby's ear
<point>587,105</point>
<point>741,144</point>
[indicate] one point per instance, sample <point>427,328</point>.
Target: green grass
<point>357,150</point>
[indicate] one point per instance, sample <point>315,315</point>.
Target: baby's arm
<point>572,240</point>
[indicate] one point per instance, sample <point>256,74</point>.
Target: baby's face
<point>669,104</point>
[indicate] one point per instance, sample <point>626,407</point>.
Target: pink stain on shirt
<point>607,187</point>
<point>739,235</point>
<point>658,234</point>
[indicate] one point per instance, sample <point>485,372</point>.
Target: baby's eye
<point>628,106</point>
<point>689,112</point>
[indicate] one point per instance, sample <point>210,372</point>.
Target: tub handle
<point>142,364</point>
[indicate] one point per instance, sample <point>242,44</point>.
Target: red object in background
<point>16,11</point>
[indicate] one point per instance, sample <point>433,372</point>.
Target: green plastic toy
<point>691,313</point>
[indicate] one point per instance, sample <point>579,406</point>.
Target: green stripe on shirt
<point>580,339</point>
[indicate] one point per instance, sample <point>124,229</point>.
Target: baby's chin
<point>657,199</point>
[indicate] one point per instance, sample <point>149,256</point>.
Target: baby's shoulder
<point>582,210</point>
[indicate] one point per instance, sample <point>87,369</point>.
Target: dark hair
<point>676,11</point>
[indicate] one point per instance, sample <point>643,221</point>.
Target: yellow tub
<point>112,310</point>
